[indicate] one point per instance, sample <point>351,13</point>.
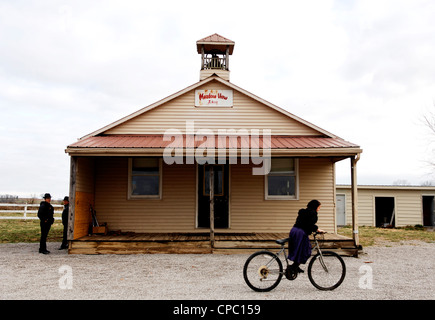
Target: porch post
<point>211,172</point>
<point>227,60</point>
<point>72,197</point>
<point>354,192</point>
<point>202,57</point>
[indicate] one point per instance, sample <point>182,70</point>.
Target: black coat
<point>306,220</point>
<point>46,212</point>
<point>65,214</point>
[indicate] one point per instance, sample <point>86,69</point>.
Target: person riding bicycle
<point>299,244</point>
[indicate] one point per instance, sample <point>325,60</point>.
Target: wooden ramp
<point>199,243</point>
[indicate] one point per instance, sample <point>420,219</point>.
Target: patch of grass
<point>369,236</point>
<point>13,231</point>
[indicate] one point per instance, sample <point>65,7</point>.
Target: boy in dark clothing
<point>65,211</point>
<point>46,217</point>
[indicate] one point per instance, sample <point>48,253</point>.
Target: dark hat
<point>66,198</point>
<point>47,195</point>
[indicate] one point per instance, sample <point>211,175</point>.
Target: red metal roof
<point>215,41</point>
<point>215,38</point>
<point>157,141</point>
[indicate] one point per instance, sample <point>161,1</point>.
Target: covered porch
<point>170,220</point>
<point>196,243</point>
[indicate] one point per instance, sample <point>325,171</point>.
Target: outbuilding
<point>210,163</point>
<point>388,206</point>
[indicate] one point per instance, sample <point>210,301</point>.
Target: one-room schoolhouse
<point>211,167</point>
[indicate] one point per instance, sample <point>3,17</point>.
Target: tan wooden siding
<point>246,113</point>
<point>85,175</point>
<point>408,205</point>
<point>176,211</point>
<point>317,181</point>
<point>84,196</point>
<point>250,212</point>
<point>224,74</point>
<point>409,208</point>
<point>365,207</point>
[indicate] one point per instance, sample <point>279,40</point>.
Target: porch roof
<point>157,143</point>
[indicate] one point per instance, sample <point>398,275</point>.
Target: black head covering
<point>313,204</point>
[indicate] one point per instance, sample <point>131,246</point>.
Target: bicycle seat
<point>282,241</point>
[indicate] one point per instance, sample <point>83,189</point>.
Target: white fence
<point>23,208</point>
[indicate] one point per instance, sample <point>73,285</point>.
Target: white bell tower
<point>215,51</point>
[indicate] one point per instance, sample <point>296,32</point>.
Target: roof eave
<point>302,152</point>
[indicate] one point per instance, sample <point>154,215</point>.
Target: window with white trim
<point>145,178</point>
<point>281,183</point>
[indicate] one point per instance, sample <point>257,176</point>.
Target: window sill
<point>281,198</point>
<point>136,197</point>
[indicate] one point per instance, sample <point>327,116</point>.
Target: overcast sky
<point>363,70</point>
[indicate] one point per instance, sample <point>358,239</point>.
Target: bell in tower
<point>215,51</point>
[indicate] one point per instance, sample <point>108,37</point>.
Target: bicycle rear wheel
<point>326,271</point>
<point>263,271</point>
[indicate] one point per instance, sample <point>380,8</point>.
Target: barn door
<point>385,212</point>
<point>428,211</point>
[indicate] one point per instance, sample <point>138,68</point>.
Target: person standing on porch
<point>299,244</point>
<point>65,212</point>
<point>46,217</point>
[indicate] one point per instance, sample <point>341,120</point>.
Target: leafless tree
<point>401,182</point>
<point>429,122</point>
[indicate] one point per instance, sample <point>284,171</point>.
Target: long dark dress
<point>299,245</point>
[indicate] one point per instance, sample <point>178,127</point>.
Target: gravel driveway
<point>400,271</point>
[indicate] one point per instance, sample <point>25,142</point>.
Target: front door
<point>221,193</point>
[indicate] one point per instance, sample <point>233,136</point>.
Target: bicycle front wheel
<point>327,270</point>
<point>263,271</point>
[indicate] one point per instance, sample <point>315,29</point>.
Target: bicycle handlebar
<point>317,233</point>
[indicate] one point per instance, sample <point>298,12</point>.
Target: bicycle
<point>263,270</point>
